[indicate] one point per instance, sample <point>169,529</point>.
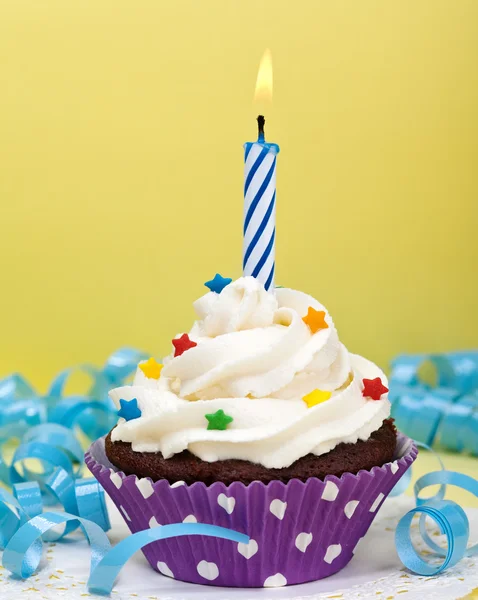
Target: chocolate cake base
<point>344,458</point>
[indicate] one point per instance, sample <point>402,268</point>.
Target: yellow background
<point>121,132</point>
<point>121,165</point>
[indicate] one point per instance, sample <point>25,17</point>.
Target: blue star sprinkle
<point>218,283</point>
<point>129,409</point>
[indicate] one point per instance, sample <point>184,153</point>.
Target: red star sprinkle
<point>373,388</point>
<point>182,344</point>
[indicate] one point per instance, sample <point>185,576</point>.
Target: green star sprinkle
<point>218,420</point>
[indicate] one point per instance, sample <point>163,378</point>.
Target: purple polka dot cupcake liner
<point>299,531</point>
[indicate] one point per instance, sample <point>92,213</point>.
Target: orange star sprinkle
<point>316,397</point>
<point>315,319</point>
<point>151,368</point>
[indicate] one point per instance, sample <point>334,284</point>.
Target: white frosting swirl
<point>255,359</point>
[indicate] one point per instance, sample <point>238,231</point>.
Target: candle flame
<point>264,78</point>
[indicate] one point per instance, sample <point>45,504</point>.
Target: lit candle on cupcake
<point>260,192</point>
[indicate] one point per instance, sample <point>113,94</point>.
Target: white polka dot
<point>394,467</point>
<point>123,510</point>
<point>153,523</point>
<point>332,552</point>
<point>278,508</point>
<point>376,503</point>
<point>248,550</point>
<point>116,479</point>
<point>178,484</point>
<point>208,570</point>
<point>226,502</point>
<point>190,519</point>
<point>303,540</point>
<point>350,508</point>
<point>164,569</point>
<point>277,580</point>
<point>357,545</point>
<point>330,492</point>
<point>145,487</point>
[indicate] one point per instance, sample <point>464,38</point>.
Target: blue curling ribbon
<point>452,522</point>
<point>121,364</point>
<point>457,370</point>
<point>23,552</point>
<point>445,415</point>
<point>52,446</point>
<point>23,526</point>
<point>21,407</point>
<point>38,419</point>
<point>449,516</point>
<point>405,480</point>
<point>83,498</point>
<point>94,413</point>
<point>15,386</point>
<point>103,576</point>
<point>45,425</point>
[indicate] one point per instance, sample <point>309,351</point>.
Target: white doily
<point>375,572</point>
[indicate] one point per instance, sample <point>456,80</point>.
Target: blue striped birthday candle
<point>260,208</point>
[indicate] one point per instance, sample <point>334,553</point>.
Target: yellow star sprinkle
<point>315,319</point>
<point>151,368</point>
<point>316,397</point>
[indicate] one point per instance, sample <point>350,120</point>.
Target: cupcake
<point>260,421</point>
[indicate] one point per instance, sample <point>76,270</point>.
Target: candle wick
<point>260,126</point>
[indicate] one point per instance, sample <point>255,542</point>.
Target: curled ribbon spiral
<point>23,526</point>
<point>449,516</point>
<point>444,414</point>
<point>46,425</point>
<point>21,407</point>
